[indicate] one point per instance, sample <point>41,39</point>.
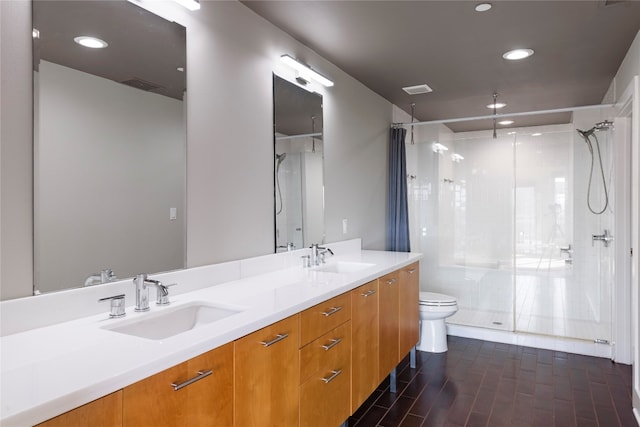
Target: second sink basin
<point>344,267</point>
<point>170,322</point>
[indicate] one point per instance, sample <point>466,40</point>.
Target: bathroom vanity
<point>301,346</point>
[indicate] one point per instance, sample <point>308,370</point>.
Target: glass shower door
<point>562,277</point>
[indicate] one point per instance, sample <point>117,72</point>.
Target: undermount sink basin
<point>170,322</point>
<point>344,267</point>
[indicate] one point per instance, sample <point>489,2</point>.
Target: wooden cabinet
<point>325,378</point>
<point>267,375</point>
<point>364,343</point>
<point>198,392</point>
<point>389,322</point>
<point>103,412</point>
<point>409,308</point>
<point>311,369</point>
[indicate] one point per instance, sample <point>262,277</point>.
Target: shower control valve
<point>606,237</point>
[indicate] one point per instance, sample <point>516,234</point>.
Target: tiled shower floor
<point>479,383</point>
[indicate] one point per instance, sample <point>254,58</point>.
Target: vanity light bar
<point>189,4</point>
<point>306,72</point>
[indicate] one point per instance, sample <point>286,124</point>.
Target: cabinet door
<point>155,401</point>
<point>364,342</point>
<point>389,323</point>
<point>267,375</point>
<point>409,308</point>
<point>103,412</point>
<point>210,400</point>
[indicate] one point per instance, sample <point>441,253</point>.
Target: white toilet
<point>434,308</point>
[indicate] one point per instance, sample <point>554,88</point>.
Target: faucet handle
<point>162,294</point>
<point>117,305</point>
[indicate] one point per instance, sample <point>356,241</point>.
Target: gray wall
<point>231,55</point>
<point>110,162</point>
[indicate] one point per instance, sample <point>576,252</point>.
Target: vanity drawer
<point>326,353</point>
<point>324,397</point>
<point>322,318</point>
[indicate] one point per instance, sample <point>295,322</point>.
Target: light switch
<point>344,226</point>
<point>173,214</point>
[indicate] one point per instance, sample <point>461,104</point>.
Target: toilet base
<point>433,336</point>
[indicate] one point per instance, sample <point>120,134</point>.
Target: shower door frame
<point>627,328</point>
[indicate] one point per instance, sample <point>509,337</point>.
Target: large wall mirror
<point>298,171</point>
<point>109,143</point>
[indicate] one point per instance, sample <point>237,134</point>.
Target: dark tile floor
<point>480,383</point>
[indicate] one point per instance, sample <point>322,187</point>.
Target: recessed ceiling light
<point>417,89</point>
<point>92,42</point>
<point>506,122</point>
<point>483,7</point>
<point>536,134</point>
<point>515,54</point>
<point>497,105</point>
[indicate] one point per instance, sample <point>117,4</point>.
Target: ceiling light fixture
<point>35,33</point>
<point>91,42</point>
<point>456,157</point>
<point>189,4</point>
<point>497,105</point>
<point>483,7</point>
<point>439,148</point>
<point>536,134</point>
<point>306,72</point>
<point>506,122</point>
<point>516,54</point>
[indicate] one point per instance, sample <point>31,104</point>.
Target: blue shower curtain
<point>397,212</point>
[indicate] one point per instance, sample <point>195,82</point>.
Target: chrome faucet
<point>317,254</point>
<point>142,284</point>
<point>105,276</point>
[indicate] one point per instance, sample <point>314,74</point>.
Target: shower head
<point>586,133</point>
<point>280,157</point>
<point>605,125</point>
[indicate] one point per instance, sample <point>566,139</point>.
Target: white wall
<point>111,163</point>
<point>231,55</point>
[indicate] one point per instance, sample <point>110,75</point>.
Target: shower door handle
<point>606,237</point>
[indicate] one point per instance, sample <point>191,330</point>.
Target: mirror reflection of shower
<point>587,135</point>
<point>279,159</point>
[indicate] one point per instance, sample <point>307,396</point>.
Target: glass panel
<point>470,216</point>
<point>561,279</point>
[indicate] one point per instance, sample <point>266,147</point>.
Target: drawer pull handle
<point>334,342</point>
<point>278,337</point>
<point>332,310</point>
<point>333,376</point>
<point>391,281</point>
<point>201,375</point>
<point>413,270</point>
<point>368,293</point>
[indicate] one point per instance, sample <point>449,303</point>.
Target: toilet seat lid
<point>435,299</point>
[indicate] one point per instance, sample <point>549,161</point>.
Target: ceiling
<point>145,50</point>
<point>387,45</point>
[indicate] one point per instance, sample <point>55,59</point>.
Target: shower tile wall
<point>491,227</point>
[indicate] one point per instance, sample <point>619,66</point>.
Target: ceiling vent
<point>141,84</point>
<point>417,90</point>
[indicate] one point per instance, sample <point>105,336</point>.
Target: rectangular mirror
<point>109,143</point>
<point>298,171</point>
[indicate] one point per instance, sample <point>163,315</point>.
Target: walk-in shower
<point>505,225</point>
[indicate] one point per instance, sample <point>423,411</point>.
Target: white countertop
<point>50,370</point>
